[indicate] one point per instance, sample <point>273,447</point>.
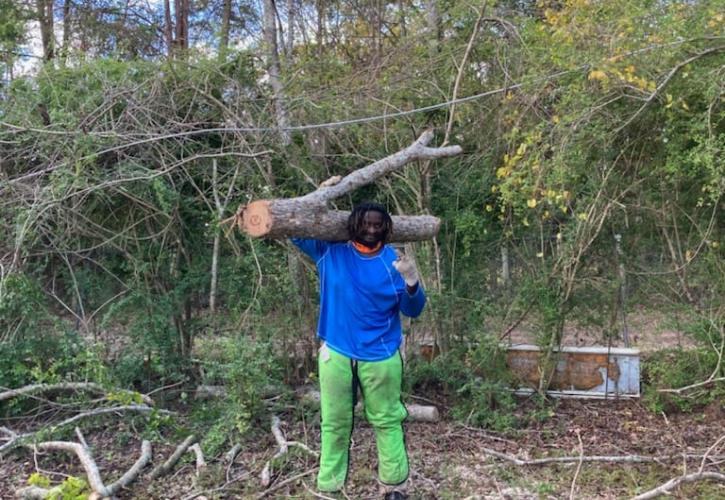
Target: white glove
<point>405,265</point>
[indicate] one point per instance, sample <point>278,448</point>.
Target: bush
<point>250,371</point>
<point>675,368</point>
<point>476,382</point>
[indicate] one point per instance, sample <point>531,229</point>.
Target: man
<point>364,284</point>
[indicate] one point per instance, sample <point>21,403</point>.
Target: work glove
<point>405,265</point>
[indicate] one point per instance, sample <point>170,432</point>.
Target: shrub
<point>675,368</point>
<point>476,382</point>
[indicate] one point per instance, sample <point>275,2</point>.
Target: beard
<point>369,242</point>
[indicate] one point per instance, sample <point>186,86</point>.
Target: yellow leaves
<point>531,203</point>
<point>716,21</point>
<point>540,255</point>
<point>598,75</point>
<point>582,216</point>
<point>509,162</point>
<point>685,106</point>
<point>689,255</point>
<point>551,17</point>
<point>669,101</point>
<point>555,119</point>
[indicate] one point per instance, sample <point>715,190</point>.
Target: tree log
<point>308,216</point>
<point>416,413</point>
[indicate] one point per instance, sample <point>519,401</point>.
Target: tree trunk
<point>225,28</point>
<point>308,216</point>
<point>320,4</point>
<point>66,29</point>
<point>291,14</point>
<point>45,18</point>
<point>168,28</point>
<point>434,26</point>
<point>181,13</point>
<point>273,69</point>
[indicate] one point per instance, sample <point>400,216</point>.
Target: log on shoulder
<point>308,216</point>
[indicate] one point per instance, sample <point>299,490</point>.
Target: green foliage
<point>476,381</point>
<point>250,371</point>
<point>39,480</point>
<point>73,488</point>
<point>676,368</point>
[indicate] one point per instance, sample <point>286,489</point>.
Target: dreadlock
<point>355,221</point>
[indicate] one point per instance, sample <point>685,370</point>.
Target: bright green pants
<point>379,382</point>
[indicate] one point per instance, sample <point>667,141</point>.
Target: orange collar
<point>366,250</point>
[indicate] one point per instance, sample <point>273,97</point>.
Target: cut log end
<point>256,218</point>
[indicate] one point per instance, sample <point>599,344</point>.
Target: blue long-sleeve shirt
<point>360,299</point>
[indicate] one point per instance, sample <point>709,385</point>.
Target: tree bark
<point>308,216</point>
<point>291,14</point>
<point>44,11</point>
<point>273,70</point>
<point>168,28</point>
<point>320,35</point>
<point>66,29</point>
<point>433,21</point>
<point>225,28</point>
<point>181,13</point>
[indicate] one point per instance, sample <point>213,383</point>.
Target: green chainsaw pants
<point>379,382</point>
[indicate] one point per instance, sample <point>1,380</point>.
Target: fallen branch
<point>165,468</point>
<point>135,469</point>
<point>200,462</point>
<point>232,454</point>
<point>572,490</point>
<point>15,439</point>
<point>67,386</point>
<point>89,465</point>
<point>266,475</point>
<point>416,413</point>
<point>285,482</point>
<point>594,458</point>
<point>681,390</point>
<point>674,483</point>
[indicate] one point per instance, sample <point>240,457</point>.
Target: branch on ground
<point>165,468</point>
<point>68,386</point>
<point>596,458</point>
<point>91,468</point>
<point>674,483</point>
<point>284,445</point>
<point>14,439</point>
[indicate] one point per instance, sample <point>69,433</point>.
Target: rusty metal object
<point>579,371</point>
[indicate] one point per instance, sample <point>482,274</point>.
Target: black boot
<point>395,495</point>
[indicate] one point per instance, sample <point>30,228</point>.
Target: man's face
<point>371,232</point>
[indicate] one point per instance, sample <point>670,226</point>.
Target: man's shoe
<point>395,495</point>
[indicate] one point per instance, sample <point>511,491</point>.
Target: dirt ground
<point>448,460</point>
